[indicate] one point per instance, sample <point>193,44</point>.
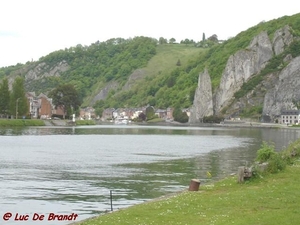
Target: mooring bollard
<point>194,185</point>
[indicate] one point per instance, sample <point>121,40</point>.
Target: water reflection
<point>73,169</point>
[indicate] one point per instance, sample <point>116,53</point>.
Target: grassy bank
<point>20,122</point>
<point>268,199</point>
<point>85,122</point>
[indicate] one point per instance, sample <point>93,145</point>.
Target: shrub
<point>180,116</point>
<point>265,152</point>
<point>276,163</point>
<point>212,119</point>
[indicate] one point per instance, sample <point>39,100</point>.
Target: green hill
<point>140,71</point>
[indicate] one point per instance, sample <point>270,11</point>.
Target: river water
<point>65,170</point>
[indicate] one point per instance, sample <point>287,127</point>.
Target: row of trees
<point>14,102</point>
<point>213,38</point>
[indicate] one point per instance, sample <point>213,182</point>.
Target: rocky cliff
<point>203,103</point>
<point>286,89</point>
<point>240,67</point>
<point>245,64</point>
<point>43,70</point>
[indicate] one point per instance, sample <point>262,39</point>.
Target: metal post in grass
<point>111,206</point>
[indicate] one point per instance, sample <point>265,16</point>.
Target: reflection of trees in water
<point>222,163</point>
<point>281,138</point>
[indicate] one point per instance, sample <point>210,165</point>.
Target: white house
<point>290,117</point>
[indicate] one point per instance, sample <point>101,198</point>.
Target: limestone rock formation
<point>44,70</point>
<point>282,38</point>
<point>102,94</point>
<point>203,104</point>
<point>241,66</point>
<point>286,90</point>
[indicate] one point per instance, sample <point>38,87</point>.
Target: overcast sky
<point>30,29</point>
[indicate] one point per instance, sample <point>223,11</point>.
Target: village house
<point>170,114</point>
<point>290,117</point>
<point>107,114</point>
<point>41,106</point>
<point>137,112</point>
<point>87,113</point>
<point>122,113</point>
<point>161,113</point>
<point>46,106</point>
<point>33,105</point>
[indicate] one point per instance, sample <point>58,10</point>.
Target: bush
<point>212,119</point>
<point>276,163</point>
<point>265,152</point>
<point>180,116</point>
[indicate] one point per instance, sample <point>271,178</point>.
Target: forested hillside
<point>176,87</point>
<point>142,70</point>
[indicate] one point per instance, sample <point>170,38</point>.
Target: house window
<point>283,117</point>
<point>290,121</point>
<point>290,117</point>
<point>295,117</point>
<point>282,121</point>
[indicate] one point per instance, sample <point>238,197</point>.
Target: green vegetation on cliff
<point>167,72</point>
<point>177,86</point>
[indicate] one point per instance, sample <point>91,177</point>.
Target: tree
<point>142,116</point>
<point>4,97</point>
<point>150,112</point>
<point>162,41</point>
<point>213,38</point>
<point>180,116</point>
<point>172,40</point>
<point>18,100</point>
<point>203,37</point>
<point>66,97</point>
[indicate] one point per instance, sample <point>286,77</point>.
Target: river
<point>65,170</point>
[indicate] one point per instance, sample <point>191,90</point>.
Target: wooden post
<point>241,171</point>
<point>194,185</point>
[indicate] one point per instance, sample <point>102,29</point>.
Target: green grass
<point>20,122</point>
<point>268,200</point>
<point>155,120</point>
<point>294,125</point>
<point>85,122</point>
<point>167,56</point>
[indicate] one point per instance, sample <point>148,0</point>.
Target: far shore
<point>49,123</point>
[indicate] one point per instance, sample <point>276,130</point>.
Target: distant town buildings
<point>42,107</point>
